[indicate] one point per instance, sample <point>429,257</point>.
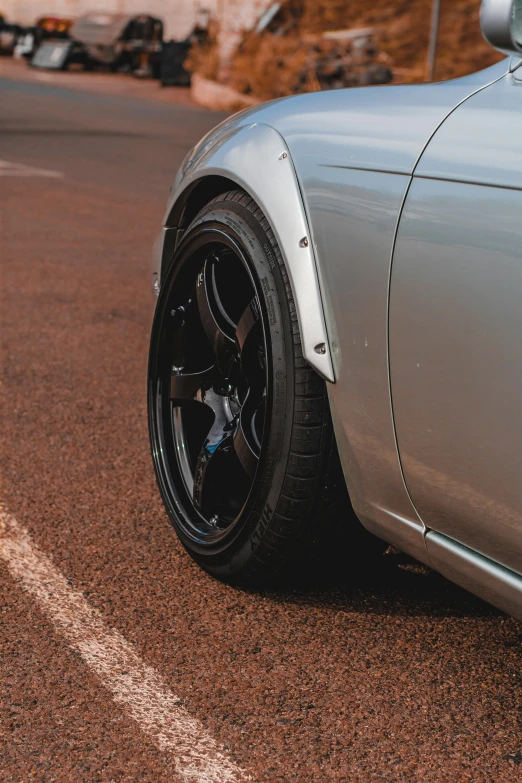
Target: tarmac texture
<point>400,678</point>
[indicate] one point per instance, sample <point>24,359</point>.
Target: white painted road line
<point>10,169</point>
<point>134,685</point>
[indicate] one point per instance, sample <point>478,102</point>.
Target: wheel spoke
<point>185,386</point>
<point>258,423</point>
<point>250,347</point>
<point>247,324</point>
<point>244,451</point>
<point>246,442</point>
<point>205,483</point>
<point>214,321</point>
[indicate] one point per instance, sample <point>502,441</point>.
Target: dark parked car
<point>47,28</point>
<point>115,41</point>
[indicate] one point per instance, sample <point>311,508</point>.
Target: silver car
<point>336,355</point>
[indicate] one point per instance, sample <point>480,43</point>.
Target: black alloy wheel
<point>211,386</point>
<point>240,428</point>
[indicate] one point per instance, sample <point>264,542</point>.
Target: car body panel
<point>456,363</point>
<point>480,143</point>
<point>382,128</point>
<point>354,214</point>
<point>455,326</point>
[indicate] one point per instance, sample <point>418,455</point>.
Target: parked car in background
<point>47,28</point>
<point>114,41</point>
<point>174,54</point>
<point>340,273</point>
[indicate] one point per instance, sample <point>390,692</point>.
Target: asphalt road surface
<point>119,659</point>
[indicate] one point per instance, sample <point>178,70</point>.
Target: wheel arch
<point>196,196</point>
<point>256,159</point>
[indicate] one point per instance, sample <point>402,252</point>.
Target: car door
<point>455,327</point>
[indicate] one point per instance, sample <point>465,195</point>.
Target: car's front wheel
<point>240,428</point>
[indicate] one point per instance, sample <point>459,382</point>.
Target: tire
<point>291,514</point>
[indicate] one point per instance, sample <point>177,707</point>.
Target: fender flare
<point>258,160</point>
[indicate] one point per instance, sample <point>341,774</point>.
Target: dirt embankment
<point>405,27</point>
<point>273,64</point>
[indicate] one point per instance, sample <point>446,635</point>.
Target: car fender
<point>256,158</point>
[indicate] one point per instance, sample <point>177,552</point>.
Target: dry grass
<point>203,58</point>
<point>269,66</point>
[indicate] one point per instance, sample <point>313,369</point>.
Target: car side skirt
<point>476,573</point>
